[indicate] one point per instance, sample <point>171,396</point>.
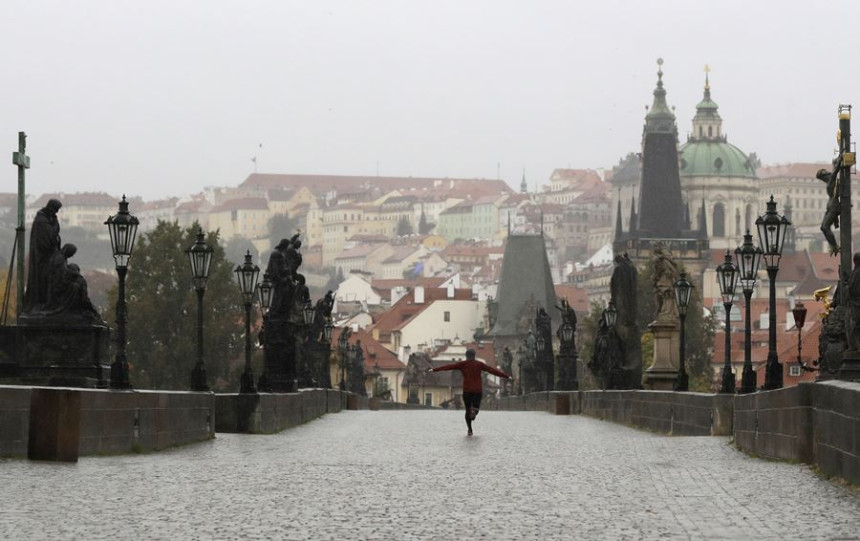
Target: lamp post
<point>343,350</point>
<point>799,312</point>
<point>247,274</point>
<point>610,313</point>
<point>200,257</point>
<point>683,292</point>
<point>727,275</point>
<point>122,227</point>
<point>771,234</point>
<point>748,259</point>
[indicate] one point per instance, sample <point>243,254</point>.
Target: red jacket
<point>471,370</point>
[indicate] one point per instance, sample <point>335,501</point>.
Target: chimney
<point>419,294</point>
<point>450,290</point>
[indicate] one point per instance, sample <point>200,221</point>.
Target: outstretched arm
<point>452,366</point>
<point>495,371</point>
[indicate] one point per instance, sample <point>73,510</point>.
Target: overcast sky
<point>161,98</point>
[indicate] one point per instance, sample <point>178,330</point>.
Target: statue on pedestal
<point>624,290</point>
<point>44,243</point>
<point>831,216</point>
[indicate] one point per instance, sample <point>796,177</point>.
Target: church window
<point>719,220</point>
<point>710,131</point>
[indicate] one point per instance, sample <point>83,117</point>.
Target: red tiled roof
<point>374,352</point>
<point>791,170</point>
<point>320,184</point>
<point>405,309</point>
<point>85,199</point>
<point>242,203</point>
<point>576,296</point>
<point>826,266</point>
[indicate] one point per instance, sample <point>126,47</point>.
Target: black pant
<point>471,400</point>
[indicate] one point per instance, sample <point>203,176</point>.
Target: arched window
<point>738,231</point>
<point>710,131</point>
<point>719,220</point>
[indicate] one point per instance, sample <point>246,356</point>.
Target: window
<point>447,316</point>
<point>428,399</point>
<point>794,371</point>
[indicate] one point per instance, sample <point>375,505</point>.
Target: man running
<point>472,385</point>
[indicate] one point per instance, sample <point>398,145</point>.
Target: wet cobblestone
<point>414,475</point>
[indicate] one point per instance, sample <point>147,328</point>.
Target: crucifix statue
<point>20,159</point>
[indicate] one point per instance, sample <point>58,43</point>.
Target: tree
<point>162,312</point>
<point>424,227</point>
<point>404,227</point>
<point>236,249</point>
<point>281,226</point>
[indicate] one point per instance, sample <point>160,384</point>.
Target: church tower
<point>661,210</point>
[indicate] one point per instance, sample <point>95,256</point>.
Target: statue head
<point>470,354</point>
<point>54,205</point>
<point>282,245</point>
<point>68,250</point>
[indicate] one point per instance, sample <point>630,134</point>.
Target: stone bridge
<point>395,474</point>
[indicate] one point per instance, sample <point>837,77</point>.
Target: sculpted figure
<point>664,277</point>
<point>44,242</point>
<point>852,329</point>
<point>278,274</point>
<point>67,289</point>
<point>831,215</point>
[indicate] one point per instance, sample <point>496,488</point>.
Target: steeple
<point>661,207</point>
<point>618,227</point>
<point>524,188</point>
<point>632,226</point>
<point>660,118</point>
<point>707,124</point>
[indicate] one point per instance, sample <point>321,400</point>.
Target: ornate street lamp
<point>683,292</point>
<point>771,234</point>
<point>122,227</point>
<point>200,257</point>
<point>611,314</point>
<point>247,274</point>
<point>327,330</point>
<point>308,313</point>
<point>799,312</point>
<point>265,289</point>
<point>727,275</point>
<point>567,332</point>
<point>748,259</point>
<point>343,350</point>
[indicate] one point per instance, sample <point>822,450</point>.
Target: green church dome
<point>714,158</point>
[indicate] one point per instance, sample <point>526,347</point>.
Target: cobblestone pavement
<point>415,475</point>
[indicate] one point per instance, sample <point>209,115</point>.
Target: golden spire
<point>707,81</point>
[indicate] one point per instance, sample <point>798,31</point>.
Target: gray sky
<point>162,98</point>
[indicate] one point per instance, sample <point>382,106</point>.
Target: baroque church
<point>719,188</point>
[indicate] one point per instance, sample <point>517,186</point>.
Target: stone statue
<point>831,215</point>
<point>281,281</point>
<point>665,273</point>
<point>67,289</point>
<point>44,243</point>
<point>568,316</point>
<point>852,327</point>
<point>507,360</point>
<point>322,313</point>
<point>624,343</point>
<point>300,298</point>
<point>357,371</point>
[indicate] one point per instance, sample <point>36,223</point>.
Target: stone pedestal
<point>63,355</point>
<point>850,368</point>
<point>663,372</point>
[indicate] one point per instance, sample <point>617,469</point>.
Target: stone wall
<point>267,413</point>
<point>14,420</point>
<point>63,423</point>
<point>682,414</point>
<point>813,423</point>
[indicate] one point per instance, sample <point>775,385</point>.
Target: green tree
<point>404,227</point>
<point>424,227</point>
<point>162,312</point>
<point>237,247</point>
<point>281,226</point>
